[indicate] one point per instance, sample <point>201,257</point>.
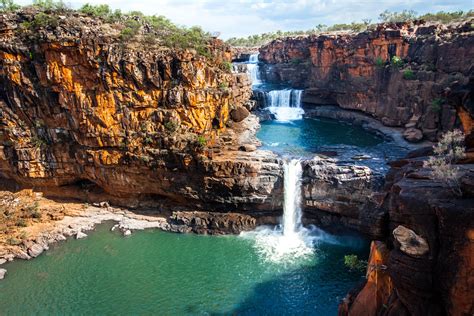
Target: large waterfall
<point>292,198</point>
<point>290,242</point>
<point>253,70</point>
<point>285,104</point>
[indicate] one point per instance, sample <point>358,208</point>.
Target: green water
<point>153,272</point>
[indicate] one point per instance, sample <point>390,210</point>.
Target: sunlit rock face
<point>79,106</point>
<point>355,72</point>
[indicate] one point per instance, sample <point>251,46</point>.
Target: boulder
<point>35,250</point>
<point>248,148</point>
<point>80,235</point>
<point>2,273</point>
<point>239,114</point>
<point>413,135</point>
<point>410,242</point>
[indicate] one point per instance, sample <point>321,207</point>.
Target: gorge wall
<point>424,264</point>
<point>80,106</point>
<point>421,93</point>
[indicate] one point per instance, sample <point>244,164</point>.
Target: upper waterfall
<point>253,69</point>
<point>285,104</point>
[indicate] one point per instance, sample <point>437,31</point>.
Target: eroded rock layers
<point>80,106</point>
<point>424,265</point>
<point>409,75</point>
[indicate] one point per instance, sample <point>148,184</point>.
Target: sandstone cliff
<point>424,265</point>
<point>78,105</point>
<point>420,91</point>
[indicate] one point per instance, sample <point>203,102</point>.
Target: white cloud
<point>247,17</point>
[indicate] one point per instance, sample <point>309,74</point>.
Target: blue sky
<point>247,17</point>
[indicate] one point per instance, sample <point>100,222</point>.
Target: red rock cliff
<point>355,72</point>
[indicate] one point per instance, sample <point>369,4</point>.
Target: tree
<point>8,5</point>
<point>404,16</point>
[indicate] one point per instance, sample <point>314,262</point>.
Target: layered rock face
<point>338,195</point>
<point>421,92</point>
<point>78,106</point>
<point>425,264</point>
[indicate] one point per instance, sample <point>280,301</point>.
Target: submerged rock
<point>3,272</point>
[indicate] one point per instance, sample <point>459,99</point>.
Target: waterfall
<point>285,104</point>
<point>253,59</point>
<point>289,243</point>
<point>253,70</point>
<point>292,197</point>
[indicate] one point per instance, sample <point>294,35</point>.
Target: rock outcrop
<point>78,106</point>
<point>429,261</point>
<point>211,223</point>
<point>422,90</point>
<point>336,194</point>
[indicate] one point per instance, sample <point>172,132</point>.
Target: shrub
<point>201,142</point>
<point>21,222</point>
<point>149,39</point>
<point>37,141</point>
<point>408,74</point>
<point>101,10</point>
<point>403,16</point>
<point>446,17</point>
<point>41,20</point>
<point>171,126</point>
<point>223,85</point>
<point>226,66</point>
<point>50,5</point>
<point>8,6</point>
<point>379,62</point>
<point>448,151</point>
<point>148,140</point>
<point>12,241</point>
<point>354,263</point>
<point>33,210</point>
<point>436,104</point>
<point>397,62</point>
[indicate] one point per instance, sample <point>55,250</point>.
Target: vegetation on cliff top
<point>385,17</point>
<point>134,26</point>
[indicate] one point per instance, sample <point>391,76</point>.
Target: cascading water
<point>285,104</point>
<point>290,242</point>
<point>253,70</point>
<point>292,198</point>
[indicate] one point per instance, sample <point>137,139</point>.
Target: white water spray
<point>290,242</point>
<point>253,70</point>
<point>285,104</point>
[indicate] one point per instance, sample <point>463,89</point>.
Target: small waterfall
<point>253,69</point>
<point>285,104</point>
<point>292,203</point>
<point>253,59</point>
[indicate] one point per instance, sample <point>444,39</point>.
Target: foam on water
<point>289,242</point>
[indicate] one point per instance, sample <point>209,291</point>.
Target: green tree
<point>8,6</point>
<point>403,16</point>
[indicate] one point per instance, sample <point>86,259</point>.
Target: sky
<point>240,18</point>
